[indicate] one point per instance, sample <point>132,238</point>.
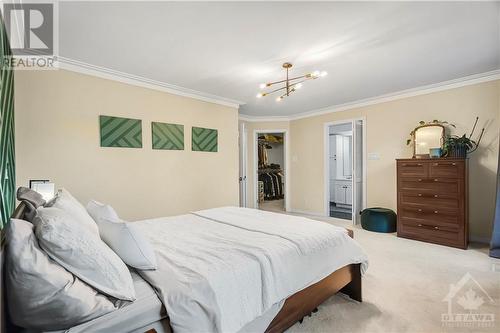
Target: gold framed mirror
<point>426,137</point>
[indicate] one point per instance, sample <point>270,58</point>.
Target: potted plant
<point>459,146</point>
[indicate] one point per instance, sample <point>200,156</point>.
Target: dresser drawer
<point>432,233</point>
<point>429,225</point>
<point>413,169</point>
<point>430,200</point>
<point>434,185</point>
<point>447,169</point>
<point>447,216</point>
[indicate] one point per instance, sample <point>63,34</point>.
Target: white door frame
<point>286,169</point>
<point>326,157</point>
<point>243,164</point>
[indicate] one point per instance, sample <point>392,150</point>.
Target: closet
<point>271,179</point>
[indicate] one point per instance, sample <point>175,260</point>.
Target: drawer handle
<point>453,163</point>
<point>420,179</point>
<point>436,180</point>
<point>419,164</point>
<point>436,212</point>
<point>435,195</point>
<point>420,210</point>
<point>419,225</point>
<point>420,194</point>
<point>435,164</point>
<point>436,228</point>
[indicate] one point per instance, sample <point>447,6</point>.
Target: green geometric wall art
<point>204,139</point>
<point>7,151</point>
<point>167,136</point>
<point>120,132</point>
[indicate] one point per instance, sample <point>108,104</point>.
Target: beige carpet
<point>404,288</point>
<point>273,205</point>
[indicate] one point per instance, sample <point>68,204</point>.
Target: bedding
<point>122,237</point>
<point>131,316</point>
<point>99,211</point>
<point>82,253</point>
<point>66,202</point>
<point>220,269</point>
<point>42,294</point>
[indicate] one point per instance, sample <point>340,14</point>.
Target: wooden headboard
<point>4,324</point>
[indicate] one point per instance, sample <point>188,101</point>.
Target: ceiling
<point>227,49</point>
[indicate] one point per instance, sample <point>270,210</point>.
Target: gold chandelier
<point>290,84</point>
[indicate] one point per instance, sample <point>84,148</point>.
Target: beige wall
<point>57,138</point>
<point>388,125</point>
<point>251,127</point>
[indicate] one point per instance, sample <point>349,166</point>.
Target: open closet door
<point>242,142</point>
<point>357,170</point>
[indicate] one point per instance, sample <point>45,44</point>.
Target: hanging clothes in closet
<point>270,174</point>
<point>273,183</point>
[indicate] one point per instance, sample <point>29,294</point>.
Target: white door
<point>332,190</point>
<point>357,172</point>
<point>242,142</point>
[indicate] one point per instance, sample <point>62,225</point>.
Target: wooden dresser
<point>433,200</point>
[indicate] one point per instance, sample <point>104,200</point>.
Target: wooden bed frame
<point>346,280</point>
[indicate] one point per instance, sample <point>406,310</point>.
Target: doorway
<point>345,169</point>
<point>270,165</point>
<point>242,143</point>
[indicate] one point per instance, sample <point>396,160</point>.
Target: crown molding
<point>422,90</point>
<point>135,80</point>
<point>262,119</point>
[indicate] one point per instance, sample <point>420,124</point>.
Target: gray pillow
<point>31,199</point>
<point>41,294</point>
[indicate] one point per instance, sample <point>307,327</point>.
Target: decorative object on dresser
<point>433,200</point>
<point>427,136</point>
<point>459,146</point>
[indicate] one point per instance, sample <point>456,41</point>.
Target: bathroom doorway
<point>345,169</point>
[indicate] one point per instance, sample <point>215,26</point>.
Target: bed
<point>165,298</point>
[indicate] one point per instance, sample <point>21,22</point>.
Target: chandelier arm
<point>299,77</point>
<point>275,90</point>
<point>295,83</point>
<point>275,82</point>
<point>292,79</point>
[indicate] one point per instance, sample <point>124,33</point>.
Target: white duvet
<point>221,268</point>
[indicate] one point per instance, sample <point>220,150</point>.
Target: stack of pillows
<point>69,265</point>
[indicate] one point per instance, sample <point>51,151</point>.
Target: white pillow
<point>99,211</point>
<point>42,295</point>
<point>70,205</point>
<point>82,253</point>
<point>124,238</point>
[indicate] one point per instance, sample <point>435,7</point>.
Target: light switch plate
<point>373,156</point>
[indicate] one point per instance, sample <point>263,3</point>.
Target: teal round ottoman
<point>378,219</point>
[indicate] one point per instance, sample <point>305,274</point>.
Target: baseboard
<point>479,239</point>
<point>305,212</point>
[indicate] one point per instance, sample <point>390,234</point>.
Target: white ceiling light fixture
<point>290,84</point>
